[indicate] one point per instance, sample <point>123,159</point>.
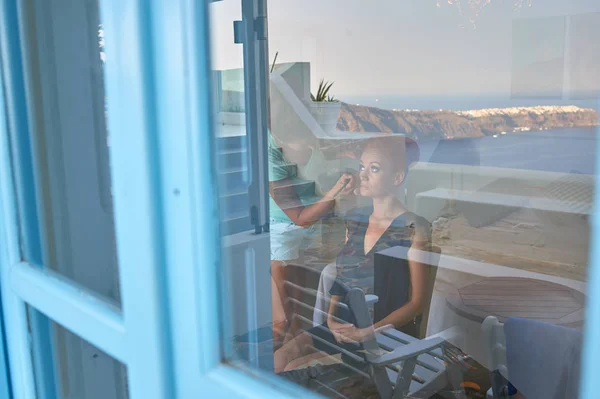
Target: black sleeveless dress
<point>355,268</point>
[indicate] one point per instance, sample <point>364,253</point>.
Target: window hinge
<point>260,28</point>
<point>238,32</point>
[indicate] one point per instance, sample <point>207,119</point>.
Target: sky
<point>405,47</point>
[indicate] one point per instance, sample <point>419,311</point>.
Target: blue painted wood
<point>228,382</point>
<point>17,122</point>
<point>591,348</point>
<point>74,307</point>
<point>204,249</point>
<point>5,383</point>
<point>14,318</point>
<point>133,123</point>
<point>18,339</point>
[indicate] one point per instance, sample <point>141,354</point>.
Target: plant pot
<point>326,114</point>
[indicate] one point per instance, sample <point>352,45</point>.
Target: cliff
<point>459,124</point>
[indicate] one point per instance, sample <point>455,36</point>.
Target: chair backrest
<point>430,257</point>
<point>434,259</point>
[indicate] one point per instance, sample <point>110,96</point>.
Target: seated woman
<point>385,224</point>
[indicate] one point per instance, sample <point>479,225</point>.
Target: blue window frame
<point>168,330</point>
<point>5,389</point>
<point>591,346</point>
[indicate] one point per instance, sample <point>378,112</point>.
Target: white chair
<point>400,365</point>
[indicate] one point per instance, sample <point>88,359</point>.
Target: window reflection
<point>430,194</point>
<point>400,287</point>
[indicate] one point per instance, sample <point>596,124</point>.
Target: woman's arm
<point>419,273</point>
<point>337,326</point>
<point>286,197</point>
<point>333,304</point>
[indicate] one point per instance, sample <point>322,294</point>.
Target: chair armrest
<point>371,299</point>
<point>404,352</point>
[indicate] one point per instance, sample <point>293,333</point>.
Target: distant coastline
<point>446,124</point>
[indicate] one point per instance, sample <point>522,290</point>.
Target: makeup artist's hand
<point>343,187</point>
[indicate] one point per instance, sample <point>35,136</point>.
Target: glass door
<point>431,160</point>
<point>238,44</point>
<point>371,208</point>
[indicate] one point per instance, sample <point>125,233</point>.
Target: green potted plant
<point>324,107</point>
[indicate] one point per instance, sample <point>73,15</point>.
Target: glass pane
<point>82,370</point>
<point>468,221</point>
<point>63,70</point>
<point>228,94</point>
<point>241,252</point>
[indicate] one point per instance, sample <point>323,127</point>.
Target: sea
<point>568,150</point>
